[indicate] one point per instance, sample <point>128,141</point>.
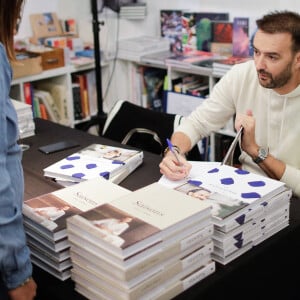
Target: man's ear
<point>298,60</point>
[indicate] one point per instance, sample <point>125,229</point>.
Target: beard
<point>273,82</point>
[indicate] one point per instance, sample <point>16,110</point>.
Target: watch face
<point>262,153</point>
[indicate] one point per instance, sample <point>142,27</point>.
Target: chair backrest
<point>140,127</point>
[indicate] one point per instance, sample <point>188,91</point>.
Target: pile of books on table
<point>45,221</point>
<point>246,208</point>
<point>152,243</point>
<point>96,160</point>
<point>25,118</point>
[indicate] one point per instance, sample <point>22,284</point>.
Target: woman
<point>15,264</point>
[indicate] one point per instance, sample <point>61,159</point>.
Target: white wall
<point>115,29</point>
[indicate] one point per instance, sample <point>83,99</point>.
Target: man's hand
<point>172,169</point>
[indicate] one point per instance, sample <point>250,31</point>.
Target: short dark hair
<point>282,22</point>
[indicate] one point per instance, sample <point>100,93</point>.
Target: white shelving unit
<point>61,75</point>
<point>172,72</point>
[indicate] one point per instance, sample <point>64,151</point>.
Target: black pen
<point>171,147</point>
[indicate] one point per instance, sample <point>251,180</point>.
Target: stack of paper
<point>96,160</point>
<point>152,243</point>
<point>136,10</point>
<point>25,119</point>
<point>246,208</point>
<point>134,48</point>
<point>45,221</point>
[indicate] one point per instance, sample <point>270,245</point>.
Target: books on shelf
<point>196,29</point>
<point>97,160</point>
<point>190,58</point>
<point>155,245</point>
<point>241,201</point>
<point>221,66</point>
<point>45,218</point>
<point>59,95</point>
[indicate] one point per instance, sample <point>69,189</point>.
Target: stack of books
<point>136,10</point>
<point>221,66</point>
<point>246,208</point>
<point>45,221</point>
<point>134,48</point>
<point>152,243</point>
<point>25,119</point>
<point>96,160</point>
<point>193,59</point>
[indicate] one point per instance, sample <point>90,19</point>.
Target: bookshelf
<point>157,60</point>
<point>61,76</point>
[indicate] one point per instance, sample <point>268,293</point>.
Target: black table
<point>264,272</point>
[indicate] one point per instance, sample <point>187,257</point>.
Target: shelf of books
<point>55,95</point>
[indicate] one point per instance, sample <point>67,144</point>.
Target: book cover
<point>171,28</point>
<point>96,160</point>
<point>147,219</point>
<point>46,98</point>
<point>59,94</point>
<point>49,212</point>
<point>222,31</point>
<point>240,37</point>
<point>229,190</point>
<point>196,28</point>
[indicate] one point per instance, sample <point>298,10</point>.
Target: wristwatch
<point>262,155</point>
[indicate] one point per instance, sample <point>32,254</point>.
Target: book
<point>96,160</point>
<point>147,288</point>
<point>49,212</point>
<point>144,263</point>
<point>171,28</point>
<point>230,190</point>
<point>59,94</point>
<point>240,37</point>
<point>147,216</point>
<point>188,58</point>
<point>197,33</point>
<point>167,291</point>
<point>46,98</point>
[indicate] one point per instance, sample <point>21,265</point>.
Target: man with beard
<point>264,94</point>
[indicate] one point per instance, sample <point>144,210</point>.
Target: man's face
<point>274,60</point>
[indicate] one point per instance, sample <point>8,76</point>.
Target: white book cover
<point>94,161</point>
<point>227,189</point>
<point>149,216</point>
<point>48,212</point>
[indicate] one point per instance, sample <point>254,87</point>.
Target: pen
<point>171,147</point>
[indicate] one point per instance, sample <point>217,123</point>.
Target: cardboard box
<point>27,64</point>
<point>45,25</point>
<point>51,57</point>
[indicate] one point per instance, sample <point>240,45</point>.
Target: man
<point>265,95</point>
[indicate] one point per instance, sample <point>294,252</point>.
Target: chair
<point>133,125</point>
